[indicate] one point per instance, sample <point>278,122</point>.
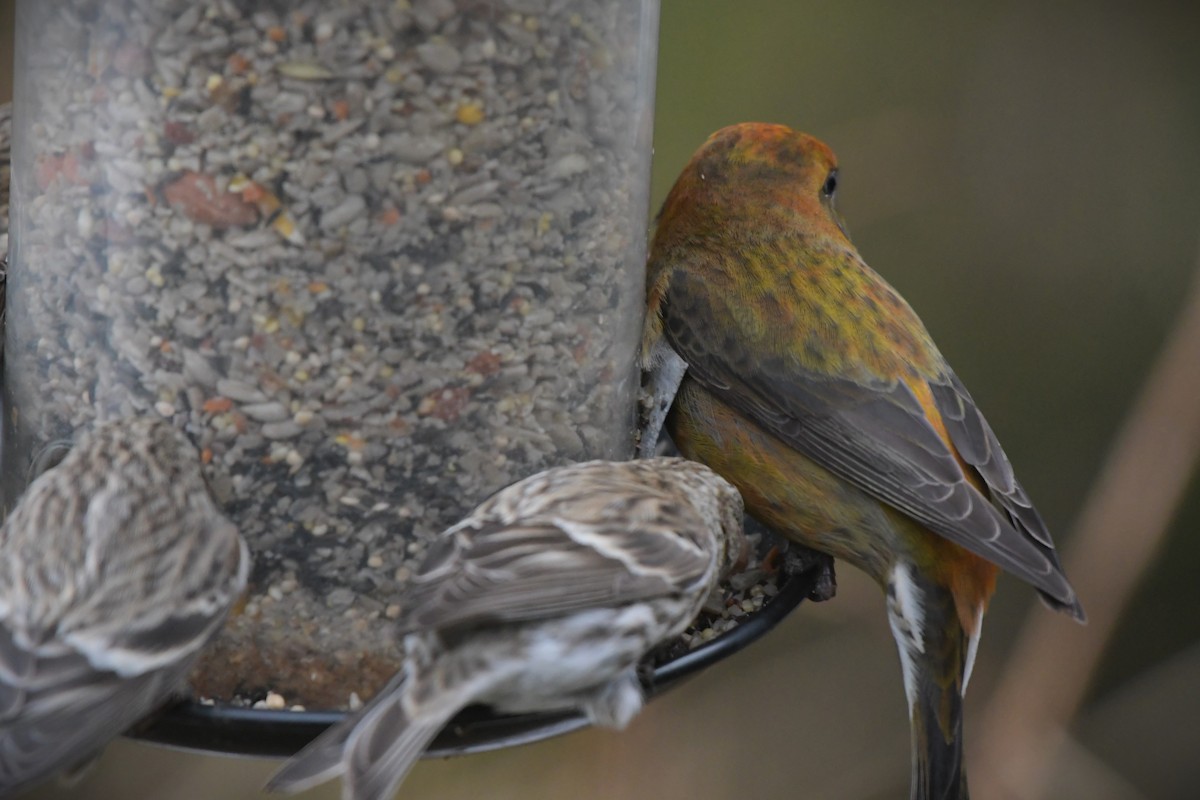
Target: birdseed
<point>379,259</point>
<point>375,282</point>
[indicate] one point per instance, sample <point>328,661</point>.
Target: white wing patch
<point>972,648</point>
<point>906,615</point>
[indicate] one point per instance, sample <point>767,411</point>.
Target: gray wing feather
<point>977,445</point>
<point>874,433</point>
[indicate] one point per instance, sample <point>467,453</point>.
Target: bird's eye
<point>830,185</point>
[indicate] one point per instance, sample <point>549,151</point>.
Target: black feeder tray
<point>236,730</point>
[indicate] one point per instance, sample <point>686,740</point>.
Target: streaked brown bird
<point>116,568</point>
<point>547,597</point>
<point>776,356</point>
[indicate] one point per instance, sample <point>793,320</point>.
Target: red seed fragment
<point>445,404</point>
<point>485,363</point>
<point>217,405</point>
<point>196,196</point>
<point>177,132</point>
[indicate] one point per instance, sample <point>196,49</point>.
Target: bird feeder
<point>378,259</point>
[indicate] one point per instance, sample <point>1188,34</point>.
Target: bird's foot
<point>798,560</point>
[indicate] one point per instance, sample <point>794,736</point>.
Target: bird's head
<point>755,179</point>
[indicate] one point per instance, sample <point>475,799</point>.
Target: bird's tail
<point>936,654</point>
<point>372,750</point>
<point>318,762</point>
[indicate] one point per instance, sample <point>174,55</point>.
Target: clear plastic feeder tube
<point>378,258</point>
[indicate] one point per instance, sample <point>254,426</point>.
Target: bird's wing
<point>977,445</point>
<point>870,431</point>
<point>57,710</point>
<point>175,617</point>
<point>489,570</point>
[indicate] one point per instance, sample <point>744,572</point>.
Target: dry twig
<point>1123,523</point>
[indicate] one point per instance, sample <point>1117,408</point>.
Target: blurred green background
<point>1026,175</point>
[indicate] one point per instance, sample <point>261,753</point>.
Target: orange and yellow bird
<point>777,357</point>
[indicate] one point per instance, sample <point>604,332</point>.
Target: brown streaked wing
<point>545,567</point>
<point>55,705</point>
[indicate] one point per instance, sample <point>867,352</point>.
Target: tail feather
<point>937,743</point>
<point>320,761</point>
<point>935,653</point>
<point>373,750</point>
<point>326,756</point>
<point>384,747</point>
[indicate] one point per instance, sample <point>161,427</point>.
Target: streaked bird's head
<point>717,502</point>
